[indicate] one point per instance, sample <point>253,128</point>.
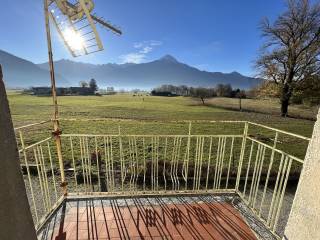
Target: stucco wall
<point>304,220</point>
<point>15,217</point>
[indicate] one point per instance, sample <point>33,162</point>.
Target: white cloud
<point>147,43</point>
<point>146,50</point>
<point>140,54</point>
<point>155,43</point>
<point>138,45</point>
<point>132,58</point>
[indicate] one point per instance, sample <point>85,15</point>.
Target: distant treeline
<point>221,90</point>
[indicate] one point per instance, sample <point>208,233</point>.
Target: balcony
<point>175,180</point>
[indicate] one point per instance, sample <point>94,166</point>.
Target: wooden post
<point>15,216</point>
<point>56,128</point>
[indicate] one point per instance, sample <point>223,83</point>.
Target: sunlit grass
<point>27,109</point>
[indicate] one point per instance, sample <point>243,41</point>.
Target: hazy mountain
<point>166,70</point>
<point>22,73</point>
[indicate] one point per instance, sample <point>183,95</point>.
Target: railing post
<point>56,134</point>
<point>122,166</point>
<point>29,175</point>
<point>186,165</point>
<point>269,170</point>
<point>243,146</point>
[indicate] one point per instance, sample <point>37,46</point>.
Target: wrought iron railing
<point>256,163</point>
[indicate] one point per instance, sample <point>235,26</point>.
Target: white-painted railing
<point>256,164</point>
<point>142,163</point>
<point>42,177</point>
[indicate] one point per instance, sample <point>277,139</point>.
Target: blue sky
<point>209,34</point>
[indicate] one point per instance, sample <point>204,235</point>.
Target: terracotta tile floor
<point>147,218</point>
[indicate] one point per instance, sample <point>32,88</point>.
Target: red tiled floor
<point>165,221</point>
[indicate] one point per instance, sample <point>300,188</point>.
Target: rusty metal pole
<point>57,131</point>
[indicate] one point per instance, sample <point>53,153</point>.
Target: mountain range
<point>20,73</point>
<point>166,70</point>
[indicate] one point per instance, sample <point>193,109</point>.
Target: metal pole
<point>56,128</point>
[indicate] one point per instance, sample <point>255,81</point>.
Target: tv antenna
<point>76,25</point>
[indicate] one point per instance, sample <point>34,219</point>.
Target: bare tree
<point>223,90</point>
<point>184,90</point>
<point>292,48</point>
<point>203,93</point>
<point>83,84</point>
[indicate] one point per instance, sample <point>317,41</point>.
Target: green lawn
<point>29,109</point>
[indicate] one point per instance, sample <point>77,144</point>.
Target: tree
<point>292,48</point>
<point>240,94</point>
<point>224,90</point>
<point>83,84</point>
<point>203,93</point>
<point>267,89</point>
<point>93,85</point>
<point>308,91</point>
<point>183,90</point>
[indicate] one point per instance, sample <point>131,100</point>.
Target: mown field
<point>28,109</point>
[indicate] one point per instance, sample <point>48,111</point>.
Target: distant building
<point>41,91</point>
<point>163,93</point>
<point>46,91</point>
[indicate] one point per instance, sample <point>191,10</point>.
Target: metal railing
<point>140,163</point>
<point>41,175</point>
<point>256,162</point>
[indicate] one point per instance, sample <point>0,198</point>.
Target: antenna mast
<point>76,26</point>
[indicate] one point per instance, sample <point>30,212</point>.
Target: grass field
<point>28,109</point>
<point>266,106</point>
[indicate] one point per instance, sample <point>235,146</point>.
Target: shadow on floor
<point>147,218</point>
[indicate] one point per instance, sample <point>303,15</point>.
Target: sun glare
<point>74,40</point>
